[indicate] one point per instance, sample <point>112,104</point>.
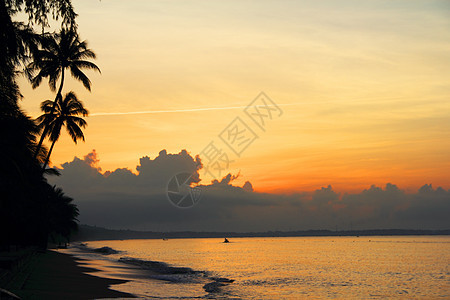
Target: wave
<point>106,250</point>
<point>159,267</point>
<point>165,272</point>
<point>216,285</point>
<point>102,250</point>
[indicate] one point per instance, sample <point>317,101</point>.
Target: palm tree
<point>65,113</point>
<point>62,215</point>
<point>21,177</point>
<point>60,51</point>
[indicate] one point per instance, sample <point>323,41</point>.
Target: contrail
<point>355,101</point>
<point>173,111</point>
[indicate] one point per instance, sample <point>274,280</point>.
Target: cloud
<point>123,199</point>
<point>248,187</point>
<point>157,172</point>
<point>92,160</point>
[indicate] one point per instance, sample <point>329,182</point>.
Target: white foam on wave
<point>180,274</point>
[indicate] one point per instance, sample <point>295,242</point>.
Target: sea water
<point>274,268</point>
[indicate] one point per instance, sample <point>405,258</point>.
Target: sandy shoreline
<point>55,275</point>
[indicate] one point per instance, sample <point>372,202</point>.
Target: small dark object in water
<point>226,240</point>
<point>165,239</point>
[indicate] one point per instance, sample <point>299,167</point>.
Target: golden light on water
<point>270,268</point>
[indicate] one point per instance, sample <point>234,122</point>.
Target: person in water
<point>226,240</point>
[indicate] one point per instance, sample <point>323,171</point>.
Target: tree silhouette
<point>60,51</point>
<point>62,214</point>
<point>29,207</point>
<point>63,113</point>
<point>38,11</point>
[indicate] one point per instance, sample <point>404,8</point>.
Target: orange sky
<point>364,87</point>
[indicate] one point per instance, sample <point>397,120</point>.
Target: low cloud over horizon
<point>122,199</point>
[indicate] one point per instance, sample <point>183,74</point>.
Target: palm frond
<point>59,51</point>
<point>79,75</point>
<point>84,53</point>
<point>80,122</point>
<point>84,64</point>
<point>55,130</point>
<point>46,105</point>
<point>53,78</point>
<point>52,172</point>
<point>74,132</point>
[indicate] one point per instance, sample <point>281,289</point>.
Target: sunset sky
<point>364,87</point>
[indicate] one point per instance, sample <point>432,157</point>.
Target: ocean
<point>276,268</point>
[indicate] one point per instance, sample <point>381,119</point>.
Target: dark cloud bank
<point>124,200</point>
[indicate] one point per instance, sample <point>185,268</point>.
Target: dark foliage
<point>58,52</point>
<point>63,113</point>
<point>30,208</point>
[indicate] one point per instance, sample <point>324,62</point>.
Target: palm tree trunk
<point>58,97</point>
<point>48,156</point>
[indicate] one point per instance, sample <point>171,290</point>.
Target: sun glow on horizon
<point>364,88</point>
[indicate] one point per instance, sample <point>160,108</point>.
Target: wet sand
<point>54,275</point>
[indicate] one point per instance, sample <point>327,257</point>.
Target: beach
<point>55,275</point>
